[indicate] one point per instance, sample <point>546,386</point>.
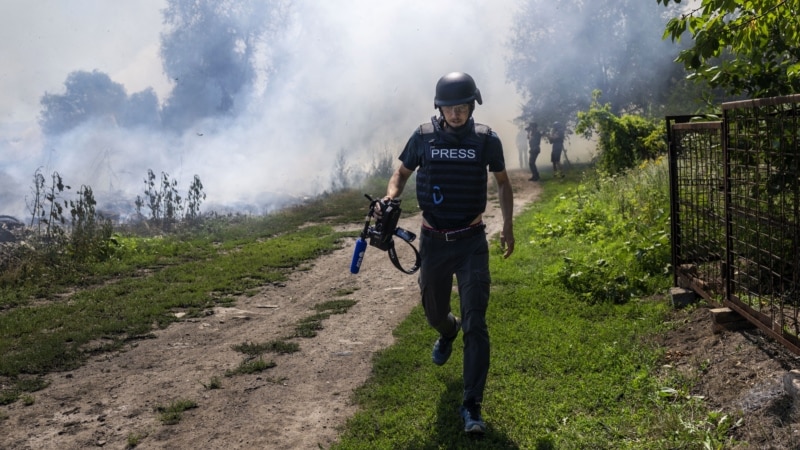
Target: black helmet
<point>456,88</point>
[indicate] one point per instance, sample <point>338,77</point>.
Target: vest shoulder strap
<point>429,129</point>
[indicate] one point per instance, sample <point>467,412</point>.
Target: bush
<point>624,142</point>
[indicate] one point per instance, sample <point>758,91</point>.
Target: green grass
<point>570,369</point>
<point>173,413</point>
<point>571,320</point>
<point>251,366</point>
<point>55,313</point>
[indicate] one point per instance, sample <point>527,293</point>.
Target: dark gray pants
<point>532,165</point>
<point>467,260</point>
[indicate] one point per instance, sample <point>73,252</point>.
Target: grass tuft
<point>173,413</point>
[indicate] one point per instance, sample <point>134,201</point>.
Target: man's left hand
<point>507,241</point>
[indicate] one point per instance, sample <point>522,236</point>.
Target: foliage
<point>308,326</point>
<point>47,206</point>
<point>565,373</point>
<point>625,221</point>
<point>173,413</point>
<point>57,243</point>
<point>94,96</point>
<point>90,235</point>
<point>165,203</point>
<point>623,142</point>
<point>17,386</point>
<point>210,50</point>
<point>88,95</point>
<point>250,366</point>
<point>562,51</point>
<point>195,197</point>
<point>750,47</point>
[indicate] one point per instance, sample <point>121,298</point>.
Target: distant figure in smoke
<point>522,148</point>
<point>534,148</point>
<point>451,154</point>
<point>556,138</point>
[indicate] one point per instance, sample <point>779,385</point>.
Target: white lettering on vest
<point>453,153</point>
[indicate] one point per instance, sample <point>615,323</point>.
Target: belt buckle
<point>447,236</point>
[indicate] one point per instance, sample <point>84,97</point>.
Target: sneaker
<point>443,346</point>
<point>473,422</point>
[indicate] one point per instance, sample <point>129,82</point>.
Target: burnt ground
<point>305,398</point>
<point>739,373</point>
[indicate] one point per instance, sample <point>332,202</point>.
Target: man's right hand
<point>378,212</point>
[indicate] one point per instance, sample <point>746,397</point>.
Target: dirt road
<point>301,402</point>
<point>298,404</point>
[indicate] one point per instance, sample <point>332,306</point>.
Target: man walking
<point>451,154</point>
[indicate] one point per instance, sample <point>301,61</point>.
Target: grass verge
<point>573,364</point>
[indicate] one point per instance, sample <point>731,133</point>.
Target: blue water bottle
<point>358,255</point>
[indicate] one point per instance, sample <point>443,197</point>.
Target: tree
<point>624,141</point>
<point>211,53</point>
<point>745,47</point>
<point>562,51</point>
<point>141,109</point>
<point>88,95</point>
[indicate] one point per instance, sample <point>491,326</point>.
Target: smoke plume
<point>260,99</point>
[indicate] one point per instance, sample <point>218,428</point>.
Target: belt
<point>454,235</point>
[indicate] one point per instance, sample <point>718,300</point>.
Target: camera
<point>382,233</point>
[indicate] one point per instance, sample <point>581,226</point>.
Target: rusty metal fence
<point>735,205</point>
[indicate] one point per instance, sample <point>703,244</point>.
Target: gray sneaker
<point>443,346</point>
<point>473,422</point>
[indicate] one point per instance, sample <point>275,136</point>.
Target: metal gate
<point>735,205</point>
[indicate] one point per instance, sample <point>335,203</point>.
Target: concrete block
<point>791,384</point>
<point>681,297</point>
<point>726,319</point>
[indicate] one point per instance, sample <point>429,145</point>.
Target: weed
<point>173,413</point>
<point>214,383</point>
<point>135,439</point>
<point>17,386</point>
<point>250,366</point>
<point>341,292</point>
<point>335,306</point>
<point>278,346</point>
<point>308,327</point>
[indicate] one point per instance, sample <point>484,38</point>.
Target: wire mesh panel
<point>697,177</point>
<point>763,212</point>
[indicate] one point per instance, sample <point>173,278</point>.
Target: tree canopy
<point>742,46</point>
<point>210,51</point>
<point>562,51</point>
<point>94,96</point>
<point>215,53</point>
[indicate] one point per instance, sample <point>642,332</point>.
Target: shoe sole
<point>476,429</point>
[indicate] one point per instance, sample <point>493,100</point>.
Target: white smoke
<point>355,76</point>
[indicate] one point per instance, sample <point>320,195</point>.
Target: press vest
<point>451,180</point>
